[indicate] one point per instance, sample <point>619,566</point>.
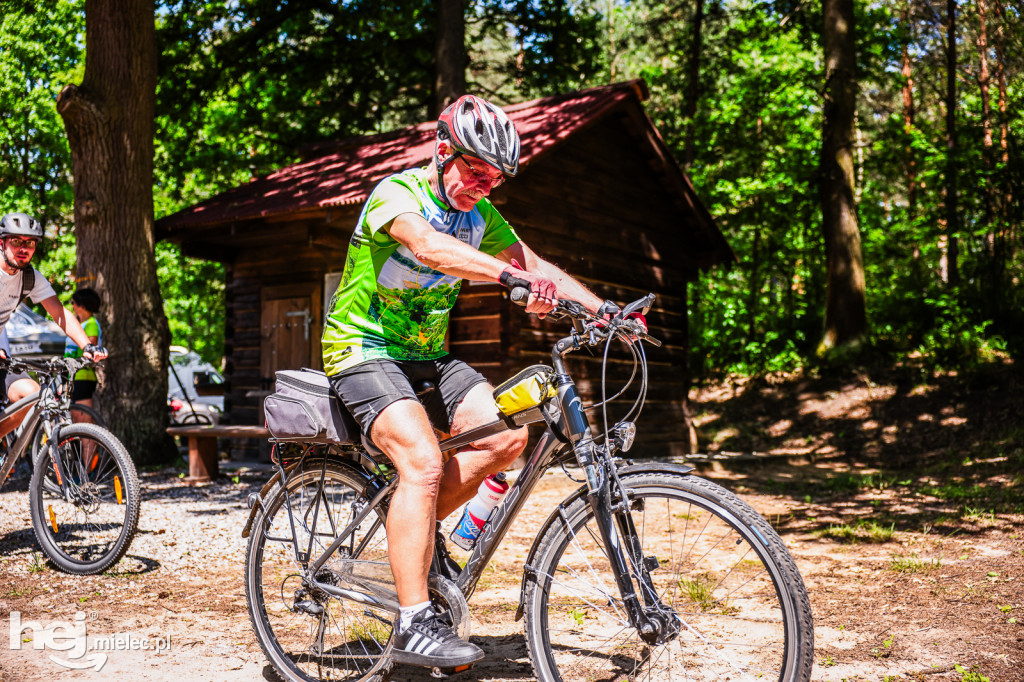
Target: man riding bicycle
<point>421,232</point>
<point>19,237</point>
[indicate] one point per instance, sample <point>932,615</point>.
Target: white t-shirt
<point>10,293</point>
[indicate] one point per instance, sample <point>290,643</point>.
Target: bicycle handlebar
<point>48,365</point>
<point>576,311</point>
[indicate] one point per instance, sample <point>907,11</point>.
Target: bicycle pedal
<point>441,673</point>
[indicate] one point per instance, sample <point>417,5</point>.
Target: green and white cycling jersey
<point>389,304</point>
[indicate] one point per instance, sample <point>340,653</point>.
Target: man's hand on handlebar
<point>94,353</point>
<point>543,292</point>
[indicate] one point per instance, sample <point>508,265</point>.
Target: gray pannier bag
<point>302,408</point>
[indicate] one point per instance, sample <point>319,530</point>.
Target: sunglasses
<point>17,243</point>
<point>480,175</point>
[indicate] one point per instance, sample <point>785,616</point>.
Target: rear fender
<point>559,515</point>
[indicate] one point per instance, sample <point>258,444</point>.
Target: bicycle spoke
<point>326,637</point>
<point>86,524</point>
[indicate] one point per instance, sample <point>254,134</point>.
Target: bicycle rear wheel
<point>743,612</point>
<point>307,634</point>
<point>90,528</point>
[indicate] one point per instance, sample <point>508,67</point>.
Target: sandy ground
<point>909,579</point>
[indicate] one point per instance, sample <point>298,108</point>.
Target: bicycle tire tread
<point>790,578</point>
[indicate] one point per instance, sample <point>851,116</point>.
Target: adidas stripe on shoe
<point>429,642</point>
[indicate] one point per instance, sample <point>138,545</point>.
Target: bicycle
<point>84,493</point>
<point>645,572</point>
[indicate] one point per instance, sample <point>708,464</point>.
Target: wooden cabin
<point>598,193</point>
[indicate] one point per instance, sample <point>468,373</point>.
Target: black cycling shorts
<point>369,387</point>
<point>84,390</point>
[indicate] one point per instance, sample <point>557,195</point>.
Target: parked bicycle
<point>645,572</point>
<point>84,491</point>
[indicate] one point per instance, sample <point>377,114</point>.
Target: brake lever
<point>642,304</point>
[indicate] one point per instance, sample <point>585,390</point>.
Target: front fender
<point>559,514</point>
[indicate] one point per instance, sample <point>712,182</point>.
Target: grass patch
<point>37,565</point>
<point>371,631</point>
<point>864,530</point>
<point>700,590</point>
<point>851,483</point>
<point>979,515</point>
<point>912,563</point>
<point>971,675</point>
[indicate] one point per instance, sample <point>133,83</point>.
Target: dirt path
<point>876,618</point>
<point>911,573</point>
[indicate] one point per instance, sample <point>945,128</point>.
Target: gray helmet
<point>20,225</point>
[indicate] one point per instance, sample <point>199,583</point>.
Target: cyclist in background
<point>19,237</point>
<point>85,303</point>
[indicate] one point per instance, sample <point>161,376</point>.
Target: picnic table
<point>202,446</point>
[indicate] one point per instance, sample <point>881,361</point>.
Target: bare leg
<point>403,431</point>
<point>88,446</point>
<point>427,488</point>
<point>464,471</point>
<point>18,390</point>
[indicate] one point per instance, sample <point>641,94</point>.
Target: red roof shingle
<point>346,172</point>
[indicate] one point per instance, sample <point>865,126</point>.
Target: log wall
<point>594,206</point>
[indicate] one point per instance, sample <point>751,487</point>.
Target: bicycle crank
<point>450,603</point>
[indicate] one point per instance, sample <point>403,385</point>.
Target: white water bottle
<point>490,493</point>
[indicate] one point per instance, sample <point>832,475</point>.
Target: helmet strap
<point>441,167</point>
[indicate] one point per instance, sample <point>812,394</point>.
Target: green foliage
<point>971,675</point>
<point>246,85</point>
<point>521,49</point>
<point>193,292</point>
<point>41,46</point>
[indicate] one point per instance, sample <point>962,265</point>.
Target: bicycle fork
<point>654,621</point>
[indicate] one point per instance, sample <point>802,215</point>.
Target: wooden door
<point>285,335</point>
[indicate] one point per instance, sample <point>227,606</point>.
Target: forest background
<point>737,90</point>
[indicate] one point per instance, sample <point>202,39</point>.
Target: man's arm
<point>452,257</point>
<point>568,286</point>
<point>443,252</point>
<point>65,320</point>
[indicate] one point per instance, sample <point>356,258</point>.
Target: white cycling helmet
<point>20,225</point>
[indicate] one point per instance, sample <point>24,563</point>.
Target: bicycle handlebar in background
<point>48,365</point>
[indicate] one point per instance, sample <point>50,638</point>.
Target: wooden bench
<point>202,446</point>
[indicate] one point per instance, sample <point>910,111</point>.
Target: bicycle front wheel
<point>305,633</point>
<point>86,525</point>
<point>741,611</point>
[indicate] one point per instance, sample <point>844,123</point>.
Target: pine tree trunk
<point>693,85</point>
<point>908,121</point>
<point>952,167</point>
<point>845,317</point>
<point>450,55</point>
<point>1001,81</point>
<point>109,120</point>
<point>983,75</point>
<point>1002,253</point>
